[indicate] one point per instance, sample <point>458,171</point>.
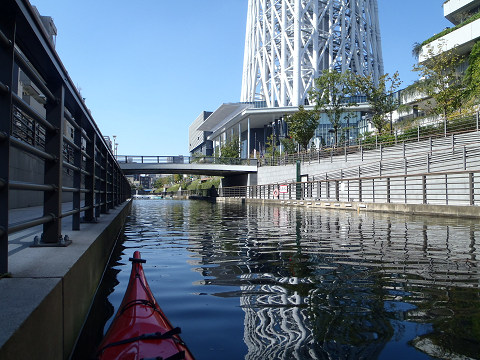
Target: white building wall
<point>462,39</point>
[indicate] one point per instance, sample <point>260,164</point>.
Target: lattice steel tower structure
<point>290,42</point>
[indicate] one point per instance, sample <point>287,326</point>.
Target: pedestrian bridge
<point>134,164</point>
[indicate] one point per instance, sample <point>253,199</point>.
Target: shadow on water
<point>269,282</point>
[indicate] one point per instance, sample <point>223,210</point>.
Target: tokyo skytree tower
<point>290,42</point>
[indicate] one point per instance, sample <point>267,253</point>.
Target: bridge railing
<point>460,188</point>
<point>180,159</point>
<point>45,123</point>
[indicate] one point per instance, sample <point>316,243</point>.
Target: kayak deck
<point>140,329</point>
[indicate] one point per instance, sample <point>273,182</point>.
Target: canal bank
<point>407,209</point>
<point>44,303</point>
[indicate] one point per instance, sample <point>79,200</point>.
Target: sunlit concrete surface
<point>45,301</point>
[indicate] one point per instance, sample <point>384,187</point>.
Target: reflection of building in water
<point>327,284</point>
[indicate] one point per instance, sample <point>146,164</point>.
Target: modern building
<point>198,139</point>
<point>254,126</point>
<point>463,14</point>
<point>288,44</point>
<point>464,33</point>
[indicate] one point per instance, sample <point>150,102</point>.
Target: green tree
<point>230,150</point>
<point>160,183</point>
<point>302,125</point>
<point>177,178</point>
<point>198,157</point>
<point>380,97</point>
<point>472,76</point>
<point>271,148</point>
<point>440,81</point>
<point>332,94</point>
<point>289,145</point>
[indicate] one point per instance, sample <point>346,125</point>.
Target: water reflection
<point>316,284</point>
<point>342,285</point>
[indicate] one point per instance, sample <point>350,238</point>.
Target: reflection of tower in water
<point>276,325</point>
<point>330,285</point>
<point>305,307</point>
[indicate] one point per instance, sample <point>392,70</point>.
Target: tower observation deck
<point>290,42</point>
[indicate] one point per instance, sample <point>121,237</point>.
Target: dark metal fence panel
<point>7,38</point>
<point>49,121</point>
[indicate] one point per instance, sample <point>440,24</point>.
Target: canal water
<point>273,282</point>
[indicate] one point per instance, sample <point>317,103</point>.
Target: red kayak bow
<point>140,329</point>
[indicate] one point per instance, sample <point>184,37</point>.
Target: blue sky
<point>148,68</point>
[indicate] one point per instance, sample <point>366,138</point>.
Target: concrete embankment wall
<point>46,301</point>
<point>408,209</point>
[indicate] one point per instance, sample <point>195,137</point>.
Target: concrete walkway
<point>44,303</point>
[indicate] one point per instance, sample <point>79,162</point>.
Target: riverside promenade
<point>46,299</point>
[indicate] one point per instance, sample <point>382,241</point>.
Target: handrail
<point>439,188</point>
<point>347,149</point>
<point>81,167</point>
<point>181,159</point>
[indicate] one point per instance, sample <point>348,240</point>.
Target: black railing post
<point>6,81</point>
<point>424,190</point>
<point>89,214</point>
<point>471,188</point>
<point>298,180</point>
<point>114,184</point>
<point>98,177</point>
<point>388,190</point>
<point>101,179</point>
<point>109,180</point>
<point>52,231</point>
<point>446,189</point>
<point>77,176</point>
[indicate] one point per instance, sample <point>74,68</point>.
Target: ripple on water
<point>266,282</point>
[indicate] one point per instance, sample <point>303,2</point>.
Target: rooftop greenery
<point>449,30</point>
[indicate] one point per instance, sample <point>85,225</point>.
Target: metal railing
<point>455,153</point>
<point>44,118</point>
<point>180,159</point>
<point>427,130</point>
<point>460,188</point>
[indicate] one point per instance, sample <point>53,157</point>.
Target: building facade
<point>198,142</point>
<point>462,36</point>
<point>463,14</point>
